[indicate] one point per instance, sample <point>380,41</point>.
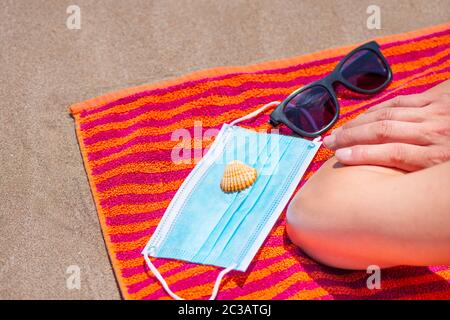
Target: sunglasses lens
<point>365,70</point>
<point>311,110</point>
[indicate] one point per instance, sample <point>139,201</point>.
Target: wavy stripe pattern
<point>127,144</point>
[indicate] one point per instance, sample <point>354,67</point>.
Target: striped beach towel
<point>125,140</point>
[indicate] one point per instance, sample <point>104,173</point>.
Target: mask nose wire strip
<point>255,113</point>
<point>171,293</point>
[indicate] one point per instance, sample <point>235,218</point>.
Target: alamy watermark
<point>73,21</point>
<point>374,280</point>
<point>253,147</point>
<point>374,18</point>
<point>73,280</point>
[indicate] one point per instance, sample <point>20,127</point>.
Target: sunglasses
<point>313,109</point>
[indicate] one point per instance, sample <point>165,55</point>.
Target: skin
<point>388,202</point>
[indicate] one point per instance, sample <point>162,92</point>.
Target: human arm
<point>408,132</point>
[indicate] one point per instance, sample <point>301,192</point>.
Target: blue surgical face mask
<point>205,225</point>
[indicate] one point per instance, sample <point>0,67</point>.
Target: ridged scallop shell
<point>237,176</point>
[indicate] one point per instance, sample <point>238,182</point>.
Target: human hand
<point>408,132</point>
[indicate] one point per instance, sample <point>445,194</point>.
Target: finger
<point>397,114</point>
<point>397,155</point>
<point>410,101</point>
<point>385,131</point>
<point>441,106</point>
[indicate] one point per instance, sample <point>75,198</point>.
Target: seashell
<point>237,176</point>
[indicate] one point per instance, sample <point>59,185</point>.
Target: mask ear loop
<point>163,282</point>
<point>255,113</point>
<point>316,140</point>
<point>262,109</point>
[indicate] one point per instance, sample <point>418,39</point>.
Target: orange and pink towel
<point>125,140</point>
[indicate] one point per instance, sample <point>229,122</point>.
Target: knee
<point>313,226</point>
<point>304,225</point>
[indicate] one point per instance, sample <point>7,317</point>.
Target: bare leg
<point>354,216</point>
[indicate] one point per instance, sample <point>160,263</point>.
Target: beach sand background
<point>48,220</point>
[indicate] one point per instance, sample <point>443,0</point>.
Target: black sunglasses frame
<point>277,116</point>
